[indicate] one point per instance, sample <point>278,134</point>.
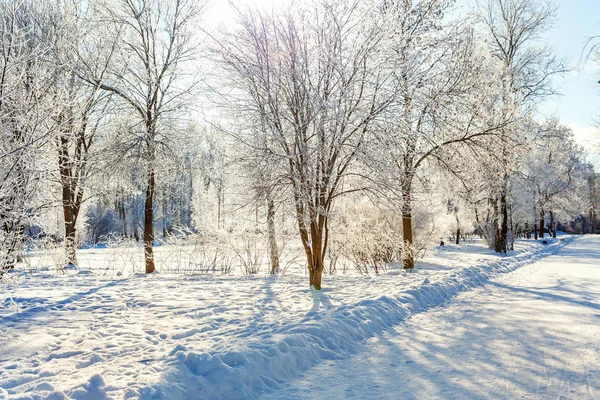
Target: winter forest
<point>255,187</point>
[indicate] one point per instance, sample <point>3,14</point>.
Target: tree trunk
<point>504,226</point>
<point>457,229</point>
<point>149,222</point>
<point>542,223</point>
<point>496,223</point>
<point>313,248</point>
<point>71,198</point>
<point>219,208</point>
<point>272,238</point>
<point>316,274</point>
<point>552,224</point>
<point>318,250</point>
<point>314,240</point>
<point>407,234</point>
<point>70,219</point>
<point>164,213</point>
<point>70,236</point>
<point>123,216</point>
<point>478,229</point>
<point>511,242</point>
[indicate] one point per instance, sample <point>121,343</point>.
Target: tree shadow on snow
<point>51,306</point>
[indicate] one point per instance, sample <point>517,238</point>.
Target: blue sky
<point>579,104</point>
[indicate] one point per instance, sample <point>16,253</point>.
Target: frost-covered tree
<point>446,99</point>
<point>79,108</point>
<point>513,28</point>
<point>556,175</point>
<point>25,108</point>
<point>152,43</point>
<point>309,77</point>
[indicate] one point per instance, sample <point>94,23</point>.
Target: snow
<point>99,335</point>
<point>533,333</point>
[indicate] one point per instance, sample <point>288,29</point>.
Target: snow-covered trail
<point>532,333</point>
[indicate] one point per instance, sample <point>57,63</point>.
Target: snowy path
<point>533,333</point>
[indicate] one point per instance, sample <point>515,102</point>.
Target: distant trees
<point>557,176</point>
<point>100,222</point>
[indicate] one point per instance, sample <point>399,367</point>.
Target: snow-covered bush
<point>368,237</point>
<point>251,253</point>
<point>124,254</point>
<point>44,253</point>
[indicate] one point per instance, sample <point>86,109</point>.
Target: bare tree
<point>152,43</point>
<point>514,27</point>
<point>310,76</point>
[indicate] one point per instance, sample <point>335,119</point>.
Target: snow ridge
<point>266,364</point>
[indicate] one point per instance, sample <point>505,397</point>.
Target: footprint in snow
<point>66,354</point>
<point>93,360</point>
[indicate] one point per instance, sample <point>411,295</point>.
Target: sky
<point>578,106</point>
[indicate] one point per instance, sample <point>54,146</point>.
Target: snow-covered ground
<point>530,334</point>
<point>95,335</point>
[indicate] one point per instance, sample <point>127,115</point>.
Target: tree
<point>25,106</point>
<point>258,162</point>
<point>513,27</point>
<point>152,43</point>
<point>445,102</point>
<point>308,77</point>
<point>79,110</point>
<point>556,176</point>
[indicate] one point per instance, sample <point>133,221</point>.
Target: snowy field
<point>95,334</point>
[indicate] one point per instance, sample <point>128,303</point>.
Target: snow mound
<point>57,396</point>
<point>95,389</point>
<point>259,366</point>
